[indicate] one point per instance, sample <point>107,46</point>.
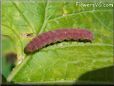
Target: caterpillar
<point>47,38</point>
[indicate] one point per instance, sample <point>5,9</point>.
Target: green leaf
<point>7,46</point>
<point>65,61</point>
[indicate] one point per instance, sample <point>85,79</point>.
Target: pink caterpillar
<point>46,38</point>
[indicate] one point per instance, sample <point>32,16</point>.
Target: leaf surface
<point>65,61</point>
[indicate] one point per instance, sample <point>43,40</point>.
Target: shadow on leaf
<point>103,75</point>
